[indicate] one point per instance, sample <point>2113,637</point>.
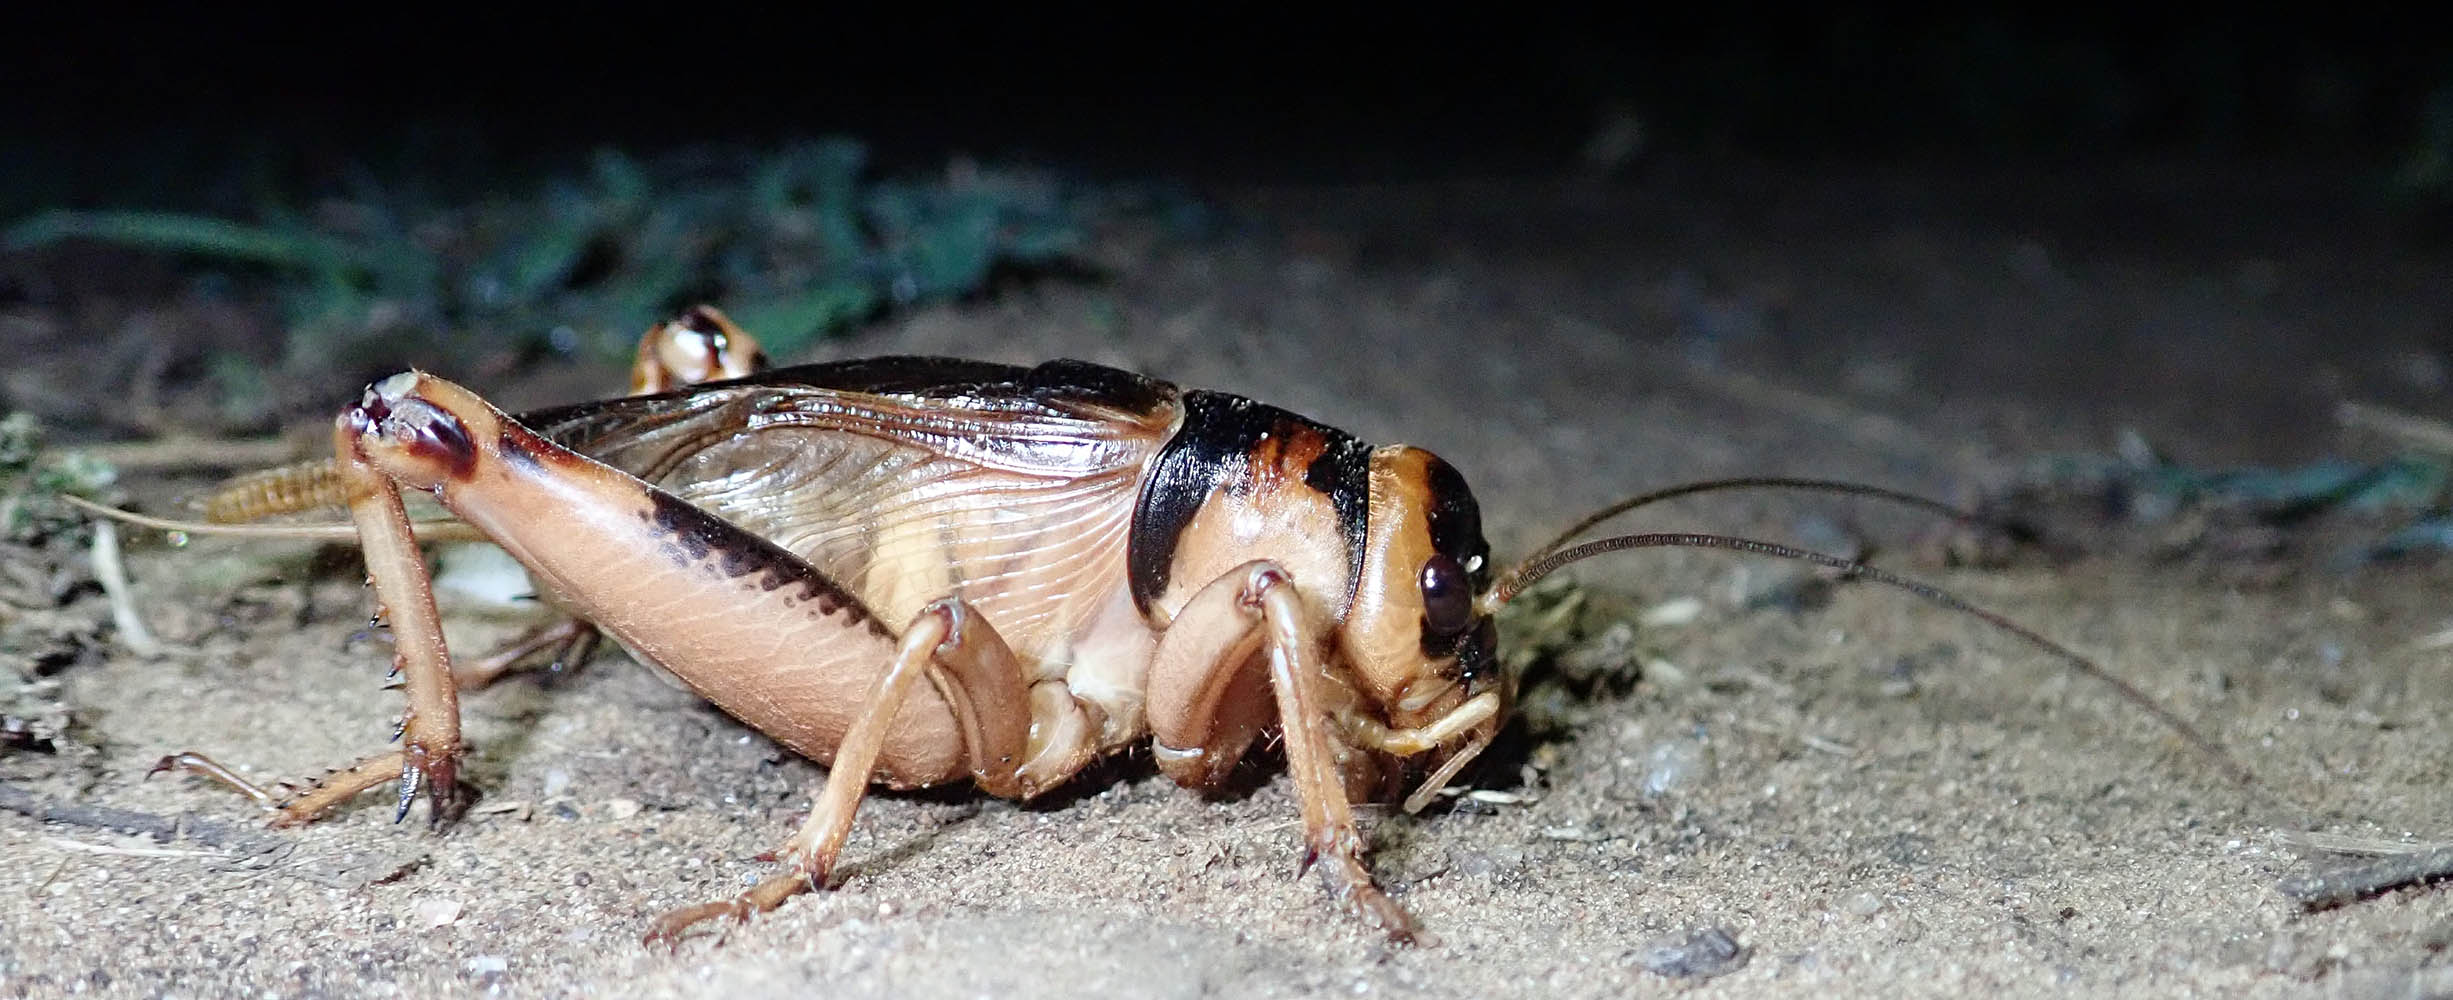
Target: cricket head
<point>1421,639</point>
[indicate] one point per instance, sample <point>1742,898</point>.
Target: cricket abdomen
<point>678,587</point>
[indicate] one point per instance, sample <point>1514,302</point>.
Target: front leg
<point>1245,628</point>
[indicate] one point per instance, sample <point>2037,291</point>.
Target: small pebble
<point>1695,953</point>
<point>437,912</point>
<point>1672,613</point>
<point>1674,764</point>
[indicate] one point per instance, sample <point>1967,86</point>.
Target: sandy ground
<point>1866,796</point>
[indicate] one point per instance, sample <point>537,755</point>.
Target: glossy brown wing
<point>1011,488</point>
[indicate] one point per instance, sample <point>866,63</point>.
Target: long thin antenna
<point>343,531</point>
<point>1535,569</point>
<point>1841,487</point>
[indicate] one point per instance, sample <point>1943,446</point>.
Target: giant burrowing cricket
<point>922,570</point>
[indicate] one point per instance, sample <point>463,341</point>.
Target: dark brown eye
<point>1447,596</point>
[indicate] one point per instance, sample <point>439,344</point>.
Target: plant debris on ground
<point>52,614</point>
<point>795,243</point>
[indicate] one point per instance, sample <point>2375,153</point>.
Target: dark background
<point>186,111</point>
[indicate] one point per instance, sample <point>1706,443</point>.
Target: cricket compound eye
<point>1447,596</point>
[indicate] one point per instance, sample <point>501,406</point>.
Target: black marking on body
<point>700,321</point>
<point>432,433</point>
<point>1063,384</point>
<point>1213,451</point>
<point>692,536</point>
<point>1456,521</point>
<point>1456,531</point>
<point>513,445</point>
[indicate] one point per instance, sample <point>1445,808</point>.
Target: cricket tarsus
<point>196,763</point>
<point>335,788</point>
<point>768,894</point>
<point>410,779</point>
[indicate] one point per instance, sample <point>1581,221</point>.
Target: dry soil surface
<point>1864,795</point>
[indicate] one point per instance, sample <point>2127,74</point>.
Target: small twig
<point>114,579</point>
<point>2351,883</point>
<point>160,828</point>
<point>2311,841</point>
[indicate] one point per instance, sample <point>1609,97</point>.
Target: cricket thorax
<point>1242,480</point>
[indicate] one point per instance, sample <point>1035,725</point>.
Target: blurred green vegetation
<point>794,243</point>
